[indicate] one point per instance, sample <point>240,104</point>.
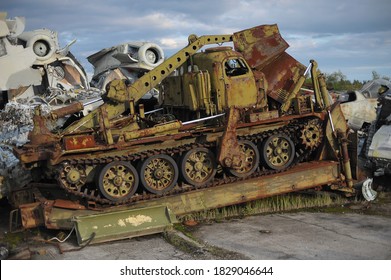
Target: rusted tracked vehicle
<point>226,116</point>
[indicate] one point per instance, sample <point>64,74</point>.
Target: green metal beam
<point>303,176</point>
<point>109,226</point>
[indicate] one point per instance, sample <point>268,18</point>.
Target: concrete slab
<point>303,236</point>
<point>348,234</point>
<point>152,247</point>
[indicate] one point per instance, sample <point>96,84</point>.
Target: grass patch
<point>279,203</point>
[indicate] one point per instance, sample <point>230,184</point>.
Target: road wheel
<point>278,151</point>
<point>158,174</point>
<point>198,166</point>
<point>118,180</point>
<point>251,159</point>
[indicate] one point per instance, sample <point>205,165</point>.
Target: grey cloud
<point>333,32</point>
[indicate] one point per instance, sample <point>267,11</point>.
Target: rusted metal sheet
<point>260,45</point>
<point>256,117</point>
<point>230,154</point>
<point>282,75</point>
<point>41,135</point>
<point>32,215</point>
<point>79,142</point>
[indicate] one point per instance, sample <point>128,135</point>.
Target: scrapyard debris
<point>375,88</point>
<point>358,109</point>
<point>367,191</point>
<point>125,61</point>
<point>368,112</point>
<point>359,106</point>
<point>378,144</point>
<point>15,122</point>
<point>35,71</point>
<point>33,64</point>
<point>12,175</point>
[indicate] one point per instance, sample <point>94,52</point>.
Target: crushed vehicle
<point>127,61</point>
<point>358,109</point>
<point>233,125</point>
<point>378,144</point>
<point>367,111</point>
<point>359,106</point>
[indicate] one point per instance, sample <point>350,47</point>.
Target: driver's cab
<point>240,86</point>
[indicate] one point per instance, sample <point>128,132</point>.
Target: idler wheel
<point>73,177</point>
<point>158,174</point>
<point>198,166</point>
<point>118,180</point>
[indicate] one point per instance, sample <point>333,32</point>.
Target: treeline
<point>337,81</point>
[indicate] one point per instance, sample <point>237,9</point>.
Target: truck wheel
<point>158,174</point>
<point>251,161</point>
<point>278,151</point>
<point>198,166</point>
<point>118,180</point>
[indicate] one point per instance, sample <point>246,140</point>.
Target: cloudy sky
<point>352,36</point>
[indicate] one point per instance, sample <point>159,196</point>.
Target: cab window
<point>235,67</point>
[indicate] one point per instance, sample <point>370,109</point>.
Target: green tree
<point>339,82</point>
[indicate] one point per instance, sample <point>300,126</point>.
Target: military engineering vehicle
<point>226,114</point>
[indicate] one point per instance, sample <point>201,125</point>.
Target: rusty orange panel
<point>260,45</point>
<point>31,215</point>
<point>282,75</point>
<point>79,142</point>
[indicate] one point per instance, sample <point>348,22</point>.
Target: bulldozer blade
<point>116,225</point>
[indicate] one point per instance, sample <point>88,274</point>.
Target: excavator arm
<point>260,45</point>
<point>120,92</point>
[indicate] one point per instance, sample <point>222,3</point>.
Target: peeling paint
<point>134,220</point>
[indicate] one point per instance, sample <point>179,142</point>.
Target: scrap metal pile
<point>368,111</point>
<point>378,142</point>
<point>226,125</point>
<point>37,72</point>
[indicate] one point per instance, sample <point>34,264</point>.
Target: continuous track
<point>294,131</point>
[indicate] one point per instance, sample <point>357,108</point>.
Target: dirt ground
<point>355,229</point>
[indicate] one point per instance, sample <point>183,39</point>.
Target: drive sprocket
<point>312,134</point>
